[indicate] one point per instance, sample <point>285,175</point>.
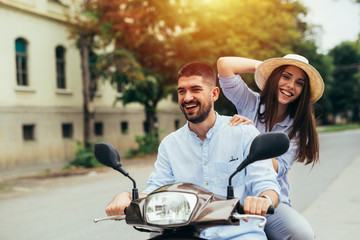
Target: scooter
<point>182,210</point>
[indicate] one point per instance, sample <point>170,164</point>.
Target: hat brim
<point>264,70</point>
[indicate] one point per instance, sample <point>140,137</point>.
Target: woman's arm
<point>230,66</point>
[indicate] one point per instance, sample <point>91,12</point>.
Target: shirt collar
<point>286,122</point>
<point>211,130</point>
<point>216,126</point>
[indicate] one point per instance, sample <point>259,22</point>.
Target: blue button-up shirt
<point>247,104</point>
<point>183,157</point>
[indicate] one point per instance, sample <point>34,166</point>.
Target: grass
<point>340,127</point>
<point>4,187</point>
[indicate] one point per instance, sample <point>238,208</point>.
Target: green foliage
<point>148,144</point>
<point>345,95</point>
<point>84,156</point>
<point>153,39</point>
<point>4,187</point>
<point>341,127</point>
<point>324,65</point>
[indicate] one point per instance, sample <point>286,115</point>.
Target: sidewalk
<point>333,215</point>
<point>29,170</point>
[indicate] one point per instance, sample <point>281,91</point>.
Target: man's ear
<point>215,93</point>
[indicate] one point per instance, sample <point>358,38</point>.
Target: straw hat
<point>264,70</point>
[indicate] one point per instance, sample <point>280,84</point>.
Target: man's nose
<point>188,96</point>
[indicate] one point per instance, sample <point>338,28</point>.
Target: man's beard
<point>199,116</point>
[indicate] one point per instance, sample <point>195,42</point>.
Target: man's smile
<point>190,106</point>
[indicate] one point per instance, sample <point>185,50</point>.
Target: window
<point>98,128</point>
<point>67,130</point>
<point>21,62</point>
<point>29,132</point>
<point>177,124</point>
<point>124,127</point>
<point>60,67</point>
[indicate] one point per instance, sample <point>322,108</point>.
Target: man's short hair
<point>199,69</point>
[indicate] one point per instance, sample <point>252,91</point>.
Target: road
<point>67,212</point>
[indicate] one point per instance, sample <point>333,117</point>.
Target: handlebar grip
<point>270,210</point>
<point>240,209</point>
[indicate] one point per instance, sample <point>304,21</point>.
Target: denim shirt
<point>247,103</point>
<point>183,157</point>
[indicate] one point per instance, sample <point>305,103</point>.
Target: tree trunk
<point>88,104</point>
<point>152,125</point>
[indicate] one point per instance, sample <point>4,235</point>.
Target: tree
<point>345,94</point>
<point>323,63</point>
<point>162,35</point>
<point>151,52</point>
<point>254,29</point>
<point>92,28</point>
<point>185,31</point>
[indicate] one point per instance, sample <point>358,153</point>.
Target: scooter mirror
<point>107,155</point>
<point>265,146</point>
<point>268,145</point>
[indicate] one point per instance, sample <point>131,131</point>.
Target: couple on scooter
<point>202,151</point>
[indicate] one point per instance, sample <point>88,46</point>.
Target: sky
<point>340,21</point>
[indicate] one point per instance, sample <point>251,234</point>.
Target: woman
<point>289,87</point>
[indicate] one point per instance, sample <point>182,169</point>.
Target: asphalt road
<point>66,212</point>
<point>337,150</point>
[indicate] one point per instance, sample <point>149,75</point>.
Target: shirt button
<point>206,183</point>
<point>205,163</point>
<point>201,144</point>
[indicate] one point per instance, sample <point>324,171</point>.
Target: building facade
<point>41,97</point>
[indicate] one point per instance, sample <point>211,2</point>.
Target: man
<point>206,151</point>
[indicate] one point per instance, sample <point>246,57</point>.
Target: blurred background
<point>74,72</point>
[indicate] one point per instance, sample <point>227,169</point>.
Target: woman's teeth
<point>286,93</point>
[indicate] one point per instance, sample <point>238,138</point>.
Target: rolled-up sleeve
<point>236,90</point>
<point>260,175</point>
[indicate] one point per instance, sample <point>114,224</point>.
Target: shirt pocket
<point>224,171</point>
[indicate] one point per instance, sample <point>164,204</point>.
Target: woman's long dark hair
<point>301,110</point>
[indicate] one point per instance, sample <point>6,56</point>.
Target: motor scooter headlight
<point>169,208</point>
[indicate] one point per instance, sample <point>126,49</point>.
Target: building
<point>41,91</point>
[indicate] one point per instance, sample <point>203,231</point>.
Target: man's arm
<point>119,203</point>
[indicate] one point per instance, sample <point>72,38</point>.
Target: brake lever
<point>116,217</point>
<point>239,216</point>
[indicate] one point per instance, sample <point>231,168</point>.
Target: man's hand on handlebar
<point>256,205</point>
<point>119,203</point>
